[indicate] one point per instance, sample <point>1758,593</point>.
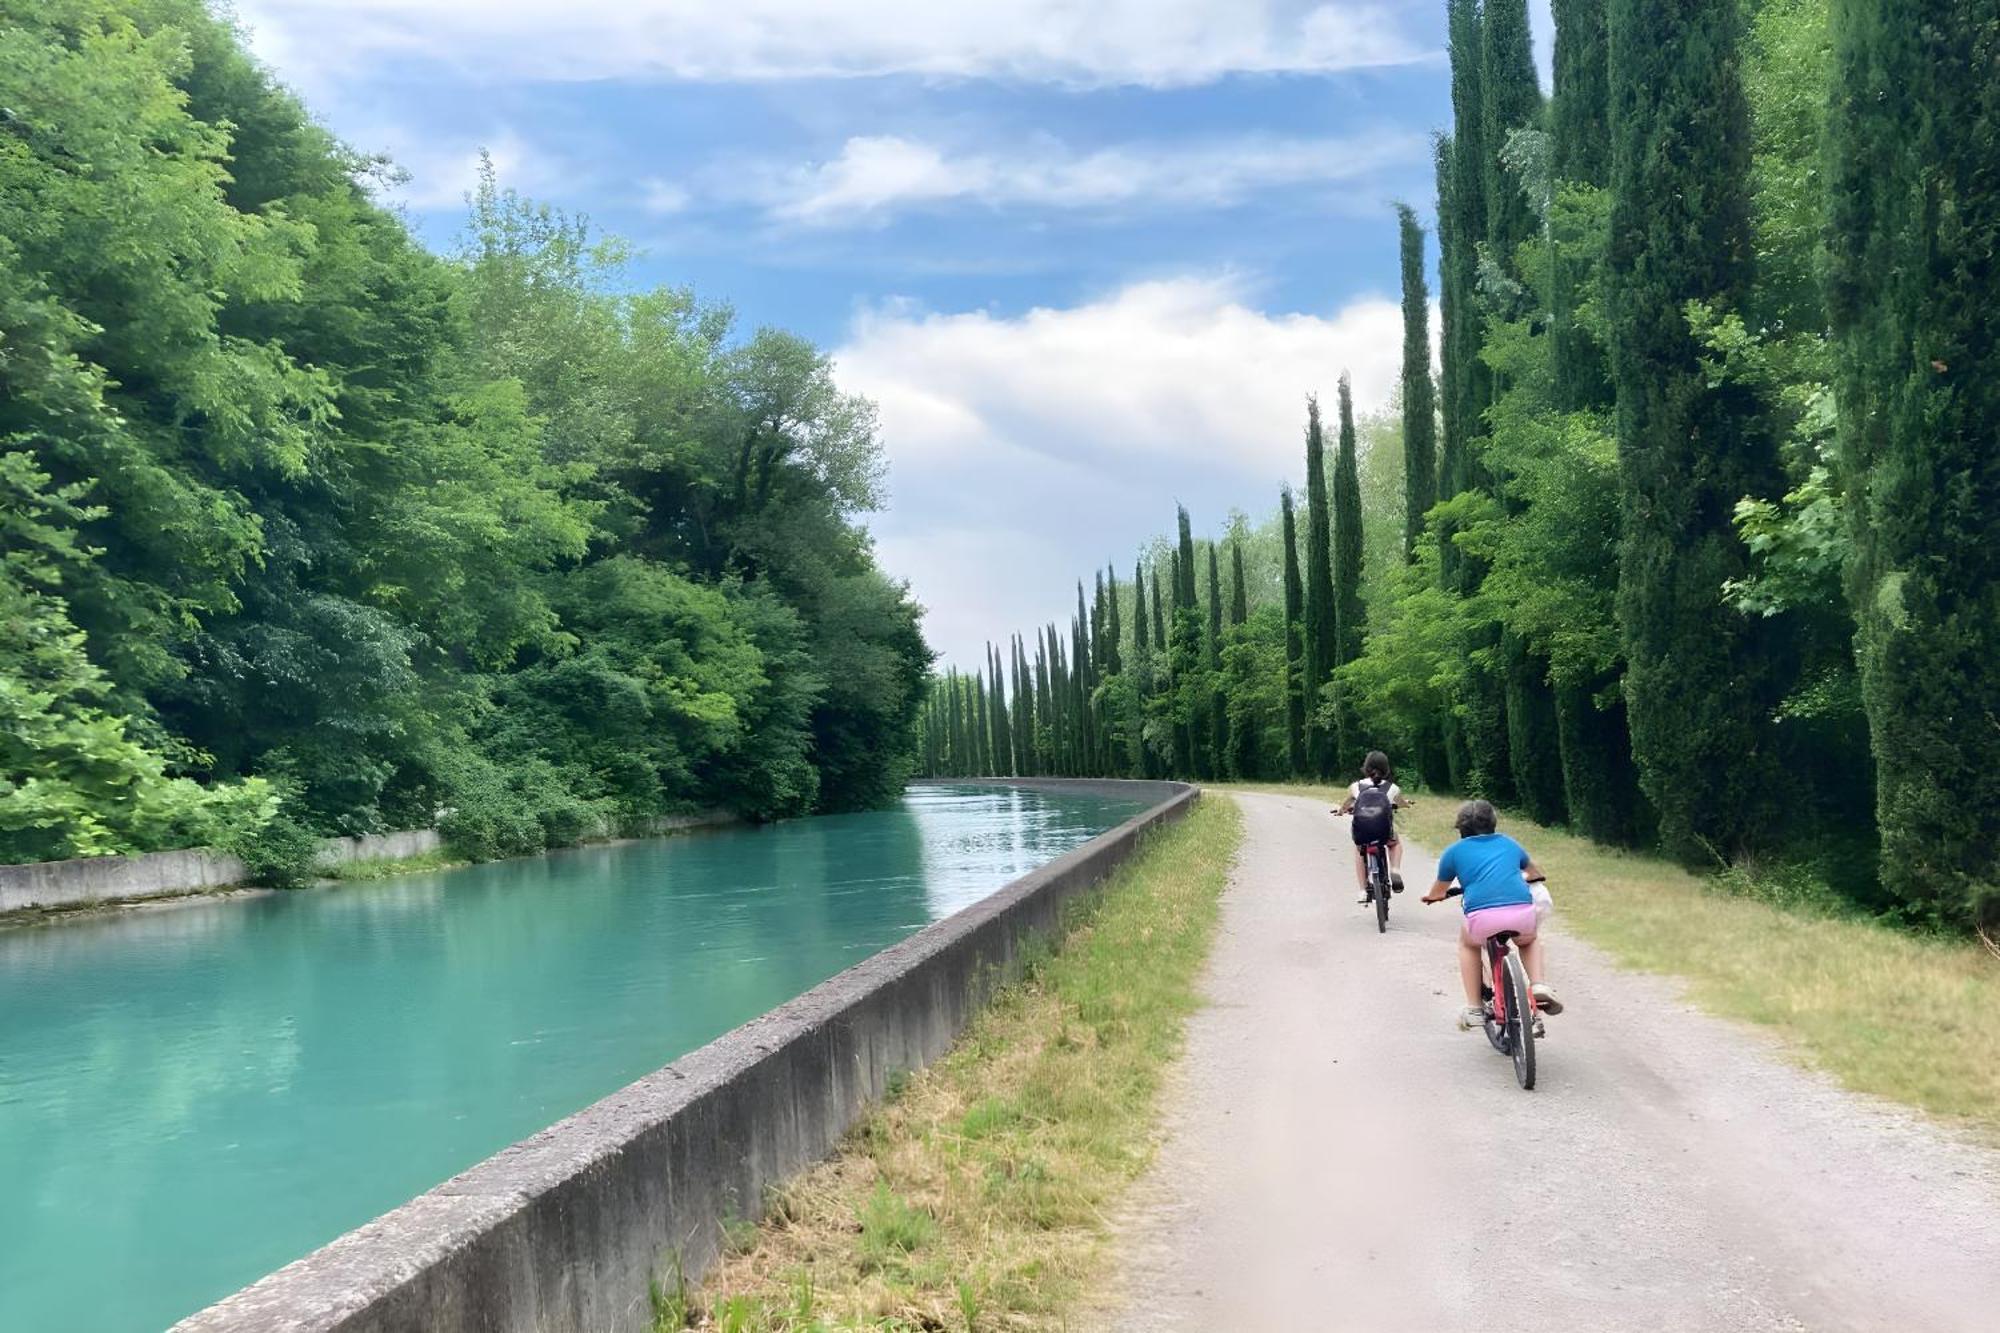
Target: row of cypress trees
<point>1198,685</point>
<point>1697,511</point>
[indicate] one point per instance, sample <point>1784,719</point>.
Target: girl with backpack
<point>1373,802</point>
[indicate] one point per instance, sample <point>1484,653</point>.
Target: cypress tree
<point>1471,387</point>
<point>1419,402</point>
<point>1349,616</point>
<point>982,740</point>
<point>1452,296</point>
<point>1218,705</point>
<point>1699,677</point>
<point>1190,733</point>
<point>1003,727</point>
<point>1348,613</point>
<point>1084,684</point>
<point>1579,121</point>
<point>1322,630</point>
<point>1239,589</point>
<point>1159,624</point>
<point>1139,635</point>
<point>1511,100</point>
<point>1580,154</point>
<point>1915,219</point>
<point>1114,658</point>
<point>1295,652</point>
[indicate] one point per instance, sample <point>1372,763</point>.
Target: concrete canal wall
<point>566,1231</point>
<point>92,880</point>
<point>102,879</point>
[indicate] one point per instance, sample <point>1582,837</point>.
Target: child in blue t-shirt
<point>1494,871</point>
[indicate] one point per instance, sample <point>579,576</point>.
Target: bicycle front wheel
<point>1520,1022</point>
<point>1381,882</point>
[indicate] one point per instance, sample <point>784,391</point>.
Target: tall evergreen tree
<point>1580,154</point>
<point>1700,679</point>
<point>1139,634</point>
<point>1419,401</point>
<point>1349,615</point>
<point>1322,628</point>
<point>1914,139</point>
<point>1512,100</point>
<point>1190,702</point>
<point>1239,588</point>
<point>1464,196</point>
<point>1295,651</point>
<point>1579,114</point>
<point>1218,704</point>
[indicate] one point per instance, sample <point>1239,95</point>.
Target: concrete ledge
<point>565,1232</point>
<point>107,879</point>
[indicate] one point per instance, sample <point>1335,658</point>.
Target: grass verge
<point>977,1197</point>
<point>1886,1011</point>
<point>351,872</point>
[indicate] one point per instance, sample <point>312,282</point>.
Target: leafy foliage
<point>308,530</point>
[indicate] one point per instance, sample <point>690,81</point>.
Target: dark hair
<point>1475,818</point>
<point>1376,766</point>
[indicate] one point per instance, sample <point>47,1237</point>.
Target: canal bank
<point>574,1228</point>
<point>196,1095</point>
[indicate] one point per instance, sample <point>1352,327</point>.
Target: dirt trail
<point>1339,1156</point>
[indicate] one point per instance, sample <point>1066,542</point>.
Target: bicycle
<point>1512,1023</point>
<point>1376,854</point>
<point>1381,879</point>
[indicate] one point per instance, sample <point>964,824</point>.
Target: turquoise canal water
<point>193,1096</point>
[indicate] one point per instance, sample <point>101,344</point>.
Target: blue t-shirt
<point>1489,866</point>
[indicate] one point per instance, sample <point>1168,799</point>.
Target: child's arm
<point>1438,891</point>
<point>1530,871</point>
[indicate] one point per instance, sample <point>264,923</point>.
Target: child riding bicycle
<point>1373,802</point>
<point>1495,873</point>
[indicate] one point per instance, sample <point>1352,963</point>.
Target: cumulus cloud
<point>875,177</point>
<point>438,174</point>
<point>1154,43</point>
<point>1027,450</point>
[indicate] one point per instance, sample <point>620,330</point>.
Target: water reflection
<point>191,1097</point>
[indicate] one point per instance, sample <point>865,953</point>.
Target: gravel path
<point>1339,1156</point>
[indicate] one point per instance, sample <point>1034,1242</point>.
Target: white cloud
<point>1144,42</point>
<point>439,174</point>
<point>875,177</point>
<point>1025,451</point>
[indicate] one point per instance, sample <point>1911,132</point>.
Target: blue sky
<point>1088,258</point>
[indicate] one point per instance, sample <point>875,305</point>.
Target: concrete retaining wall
<point>101,879</point>
<point>564,1232</point>
<point>107,879</point>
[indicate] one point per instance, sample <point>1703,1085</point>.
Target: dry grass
<point>1911,1017</point>
<point>977,1198</point>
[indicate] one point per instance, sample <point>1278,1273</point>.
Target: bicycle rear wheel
<point>1379,879</point>
<point>1520,1022</point>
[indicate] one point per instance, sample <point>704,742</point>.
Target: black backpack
<point>1374,816</point>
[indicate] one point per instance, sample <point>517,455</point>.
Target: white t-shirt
<point>1395,792</point>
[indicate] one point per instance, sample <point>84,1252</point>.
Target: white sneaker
<point>1545,998</point>
<point>1471,1018</point>
<point>1365,899</point>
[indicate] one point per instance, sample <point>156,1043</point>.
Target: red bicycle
<point>1512,1023</point>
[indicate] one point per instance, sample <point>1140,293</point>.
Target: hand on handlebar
<point>1435,897</point>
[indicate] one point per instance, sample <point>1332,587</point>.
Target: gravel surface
<point>1339,1156</point>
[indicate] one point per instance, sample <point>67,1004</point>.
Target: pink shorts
<point>1484,924</point>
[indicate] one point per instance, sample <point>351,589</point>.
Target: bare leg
<point>1471,968</point>
<point>1396,856</point>
<point>1360,870</point>
<point>1531,958</point>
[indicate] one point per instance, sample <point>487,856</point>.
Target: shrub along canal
<point>192,1097</point>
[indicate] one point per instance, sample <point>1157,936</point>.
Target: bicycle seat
<point>1502,937</point>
